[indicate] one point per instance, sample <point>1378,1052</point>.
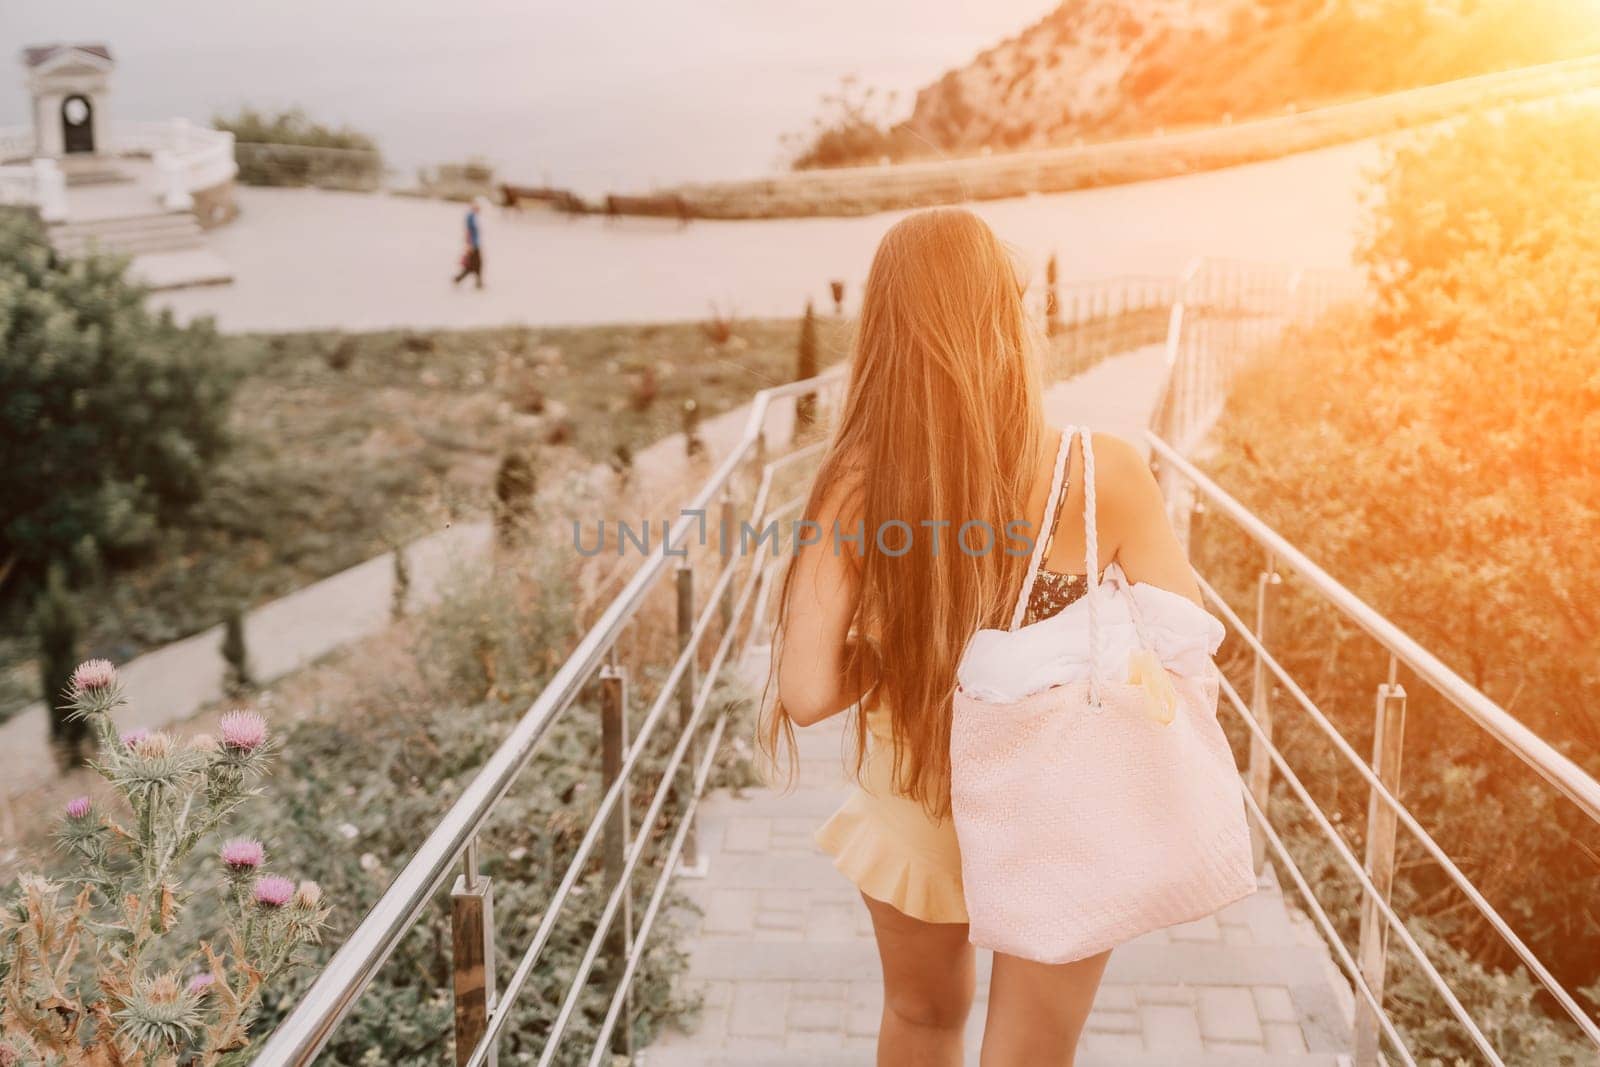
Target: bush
<point>805,407</point>
<point>111,418</point>
<point>235,653</point>
<point>1437,456</point>
<point>416,726</point>
<point>111,977</point>
<point>289,148</point>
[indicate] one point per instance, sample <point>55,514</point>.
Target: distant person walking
<point>472,257</point>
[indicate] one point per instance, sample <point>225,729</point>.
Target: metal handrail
<point>353,967</point>
<point>1537,753</point>
<point>307,1028</point>
<point>1217,303</point>
<point>1386,797</point>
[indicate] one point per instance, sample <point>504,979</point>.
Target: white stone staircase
<point>129,235</point>
<point>112,208</point>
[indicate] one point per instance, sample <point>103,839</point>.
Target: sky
<point>603,95</point>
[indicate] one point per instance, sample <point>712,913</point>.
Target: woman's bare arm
<point>816,651</point>
<point>1133,512</point>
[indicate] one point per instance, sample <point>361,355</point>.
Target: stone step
<point>129,246</point>
<point>183,268</point>
<point>147,220</point>
<point>129,235</point>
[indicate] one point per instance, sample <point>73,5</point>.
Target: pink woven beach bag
<point>1083,822</point>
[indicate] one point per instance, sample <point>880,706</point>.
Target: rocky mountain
<point>1095,69</point>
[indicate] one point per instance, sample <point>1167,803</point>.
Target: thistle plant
<point>93,968</point>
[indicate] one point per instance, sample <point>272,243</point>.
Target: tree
<point>110,416</point>
<point>57,625</point>
<point>805,407</point>
<point>515,484</point>
<point>235,653</point>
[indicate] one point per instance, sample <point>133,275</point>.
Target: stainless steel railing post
<point>472,954</point>
<point>728,533</point>
<point>686,689</point>
<point>1259,773</point>
<point>613,745</point>
<point>1388,739</point>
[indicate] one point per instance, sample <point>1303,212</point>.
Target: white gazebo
<point>172,166</point>
<point>70,90</point>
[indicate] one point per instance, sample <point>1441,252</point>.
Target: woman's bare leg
<point>1037,1010</point>
<point>928,978</point>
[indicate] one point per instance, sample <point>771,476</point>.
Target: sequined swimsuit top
<point>1052,590</point>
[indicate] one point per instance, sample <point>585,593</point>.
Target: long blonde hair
<point>942,421</point>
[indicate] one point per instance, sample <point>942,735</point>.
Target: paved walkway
<point>784,957</point>
<point>307,258</point>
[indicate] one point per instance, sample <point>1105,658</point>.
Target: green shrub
<point>110,416</point>
<point>235,653</point>
<point>370,781</point>
<point>1437,456</point>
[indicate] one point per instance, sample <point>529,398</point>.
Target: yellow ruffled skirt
<point>891,848</point>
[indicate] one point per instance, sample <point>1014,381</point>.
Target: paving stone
<point>1114,1022</point>
<point>1274,1005</point>
<point>1116,998</point>
<point>1242,1049</point>
<point>758,1010</point>
<point>1228,1013</point>
<point>1205,929</point>
<point>838,991</point>
<point>816,1015</point>
<point>785,900</point>
<point>729,911</point>
<point>1284,1038</point>
<point>780,920</point>
<point>863,1021</point>
<point>1115,1043</point>
<point>1165,994</point>
<point>1171,1028</point>
<point>746,834</point>
<point>832,922</point>
<point>817,1040</point>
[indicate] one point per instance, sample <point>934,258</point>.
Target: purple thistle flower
<point>93,677</point>
<point>243,731</point>
<point>79,807</point>
<point>274,891</point>
<point>133,737</point>
<point>201,984</point>
<point>243,854</point>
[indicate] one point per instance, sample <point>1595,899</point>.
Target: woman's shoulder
<point>1116,460</point>
<point>1126,491</point>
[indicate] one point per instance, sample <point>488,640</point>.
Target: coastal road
<point>308,259</point>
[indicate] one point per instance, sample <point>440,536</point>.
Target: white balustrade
<point>16,144</point>
<point>50,190</point>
